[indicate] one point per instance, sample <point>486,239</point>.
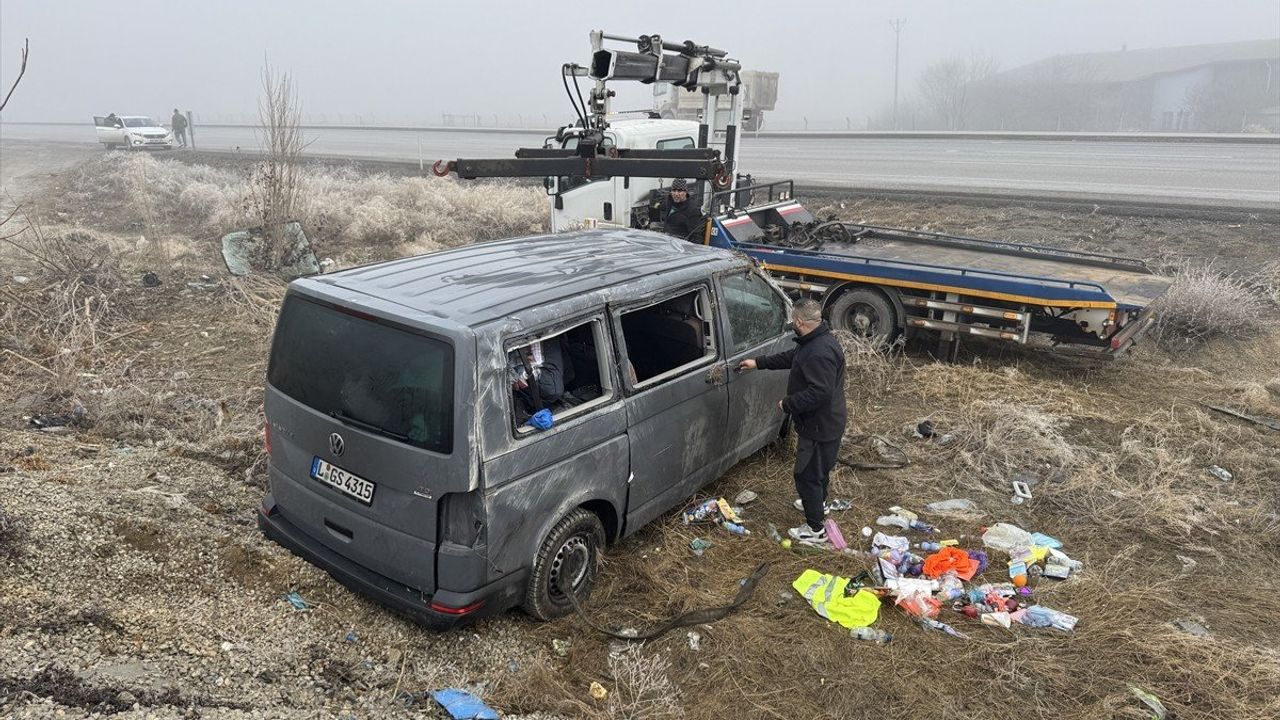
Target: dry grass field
<point>134,582</point>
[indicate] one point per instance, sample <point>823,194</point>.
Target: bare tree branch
<point>21,71</point>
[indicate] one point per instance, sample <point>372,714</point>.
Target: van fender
<point>523,511</point>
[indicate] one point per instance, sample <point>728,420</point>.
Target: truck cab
<point>579,202</point>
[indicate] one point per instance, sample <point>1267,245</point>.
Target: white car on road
<point>132,132</point>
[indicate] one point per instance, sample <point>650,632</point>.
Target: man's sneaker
<point>807,535</point>
<point>799,505</point>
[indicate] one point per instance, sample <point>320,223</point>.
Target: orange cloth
<point>953,559</point>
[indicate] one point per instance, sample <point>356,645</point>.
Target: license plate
<point>343,481</point>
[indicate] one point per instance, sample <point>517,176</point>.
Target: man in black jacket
<point>815,401</point>
<point>681,216</point>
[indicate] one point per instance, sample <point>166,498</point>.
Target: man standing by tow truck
<point>681,217</point>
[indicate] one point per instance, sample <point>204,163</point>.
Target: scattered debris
<point>296,601</point>
<point>561,647</point>
<point>1221,473</point>
<point>695,640</point>
<point>598,691</point>
<point>1266,422</point>
<point>1021,492</point>
<point>150,279</point>
<point>50,423</point>
<point>462,705</point>
<point>1187,562</point>
<point>1192,628</point>
<point>699,546</point>
<point>245,251</point>
<point>716,511</point>
<point>879,637</point>
<point>957,506</point>
<point>746,497</point>
<point>1158,710</point>
<point>351,636</point>
<point>925,430</point>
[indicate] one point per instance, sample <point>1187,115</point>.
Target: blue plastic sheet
<point>462,705</point>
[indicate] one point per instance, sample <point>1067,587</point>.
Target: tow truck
<point>606,169</point>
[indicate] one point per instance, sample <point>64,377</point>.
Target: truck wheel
<point>866,313</point>
<point>566,562</point>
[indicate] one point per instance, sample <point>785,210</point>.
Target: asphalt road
<point>1228,174</point>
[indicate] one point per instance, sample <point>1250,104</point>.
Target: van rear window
<point>369,374</point>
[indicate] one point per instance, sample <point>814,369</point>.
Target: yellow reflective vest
<point>826,593</point>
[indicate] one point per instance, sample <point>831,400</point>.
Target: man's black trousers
<point>814,462</point>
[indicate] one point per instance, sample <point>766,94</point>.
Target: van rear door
<point>361,415</point>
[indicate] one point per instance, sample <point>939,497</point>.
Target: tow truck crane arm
<point>696,163</point>
<point>692,67</point>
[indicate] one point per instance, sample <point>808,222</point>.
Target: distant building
<point>1224,87</point>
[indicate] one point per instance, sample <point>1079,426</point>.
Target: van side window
<point>564,373</point>
<point>666,337</point>
<point>757,313</point>
<point>676,143</point>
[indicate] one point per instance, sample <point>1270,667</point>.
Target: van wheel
<point>566,562</point>
<point>866,313</point>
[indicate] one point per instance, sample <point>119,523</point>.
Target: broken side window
<point>667,337</point>
<point>757,313</point>
<point>564,372</point>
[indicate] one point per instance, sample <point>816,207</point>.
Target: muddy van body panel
<point>460,527</point>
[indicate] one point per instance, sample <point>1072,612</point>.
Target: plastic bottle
<point>921,526</point>
<point>734,528</point>
<point>834,535</point>
<point>929,546</point>
<point>879,637</point>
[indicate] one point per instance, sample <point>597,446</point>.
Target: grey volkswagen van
<point>458,433</point>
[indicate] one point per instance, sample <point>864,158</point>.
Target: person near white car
<point>132,132</point>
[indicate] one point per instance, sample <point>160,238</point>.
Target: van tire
<point>571,551</point>
<point>866,313</point>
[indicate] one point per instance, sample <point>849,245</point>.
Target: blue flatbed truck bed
<point>879,281</point>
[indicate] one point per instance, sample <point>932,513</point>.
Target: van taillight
<point>464,610</point>
<point>266,438</point>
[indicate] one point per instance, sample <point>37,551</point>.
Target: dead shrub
<point>78,280</point>
<point>1202,304</point>
<point>642,686</point>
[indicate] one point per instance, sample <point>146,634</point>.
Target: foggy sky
<point>401,62</point>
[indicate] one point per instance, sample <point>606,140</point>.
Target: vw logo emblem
<point>336,444</point>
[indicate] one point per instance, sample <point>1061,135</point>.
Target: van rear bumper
<point>492,599</point>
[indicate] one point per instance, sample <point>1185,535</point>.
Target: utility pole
<point>897,37</point>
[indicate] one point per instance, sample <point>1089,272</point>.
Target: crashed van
<point>459,433</point>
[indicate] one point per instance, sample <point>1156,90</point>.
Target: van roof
<point>478,283</point>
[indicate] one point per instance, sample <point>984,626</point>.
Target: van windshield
<point>365,373</point>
